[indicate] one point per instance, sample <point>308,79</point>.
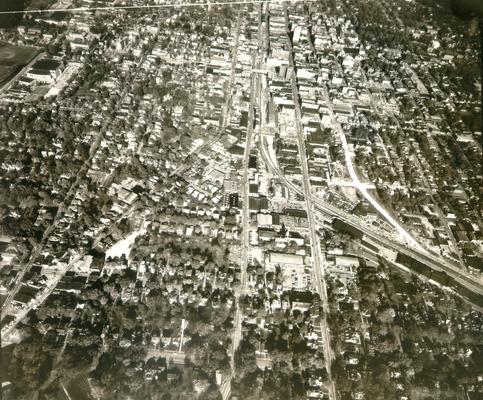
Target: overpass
<point>430,259</point>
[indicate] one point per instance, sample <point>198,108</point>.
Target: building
<point>286,258</point>
<point>46,70</point>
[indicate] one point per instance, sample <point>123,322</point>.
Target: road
<point>207,3</point>
<point>171,355</point>
<point>246,210</point>
<point>433,261</point>
<point>246,221</point>
<point>184,324</point>
<point>44,294</point>
<point>437,208</point>
<point>227,107</point>
<point>362,187</point>
<point>65,391</point>
<point>413,249</point>
<point>225,388</point>
<point>427,184</point>
<point>50,288</point>
<point>358,184</point>
<point>344,183</point>
<point>36,251</point>
<point>317,257</point>
<point>21,73</point>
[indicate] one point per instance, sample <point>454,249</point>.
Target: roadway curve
<point>433,261</point>
<point>353,173</point>
<point>411,248</point>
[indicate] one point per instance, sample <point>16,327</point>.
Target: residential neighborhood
<point>240,200</point>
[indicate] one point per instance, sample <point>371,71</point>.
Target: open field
<point>13,58</point>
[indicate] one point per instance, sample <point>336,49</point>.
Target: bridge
<point>428,258</point>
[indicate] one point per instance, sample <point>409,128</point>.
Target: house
<point>154,367</point>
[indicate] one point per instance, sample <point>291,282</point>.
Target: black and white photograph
<point>241,200</point>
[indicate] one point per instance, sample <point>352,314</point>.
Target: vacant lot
<point>12,58</point>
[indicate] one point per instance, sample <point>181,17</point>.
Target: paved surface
<point>237,334</point>
<point>362,187</point>
<point>22,72</point>
<point>44,294</point>
<point>27,264</point>
<point>317,257</point>
<point>431,260</point>
<point>374,104</point>
<point>227,107</point>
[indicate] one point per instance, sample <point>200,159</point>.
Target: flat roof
<point>47,64</point>
<point>38,71</point>
<point>347,261</point>
<point>286,258</point>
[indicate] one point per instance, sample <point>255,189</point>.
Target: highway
<point>362,187</point>
<point>355,178</point>
<point>441,216</point>
<point>410,248</point>
<point>431,260</point>
<point>317,257</point>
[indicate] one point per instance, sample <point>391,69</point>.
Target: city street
<point>317,257</point>
<point>237,334</point>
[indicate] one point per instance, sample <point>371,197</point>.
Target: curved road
<point>469,282</point>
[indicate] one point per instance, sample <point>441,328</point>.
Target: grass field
<point>12,58</point>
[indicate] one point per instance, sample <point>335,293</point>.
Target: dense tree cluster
<point>122,321</point>
<point>412,342</point>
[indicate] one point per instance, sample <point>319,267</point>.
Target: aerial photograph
<point>241,200</point>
